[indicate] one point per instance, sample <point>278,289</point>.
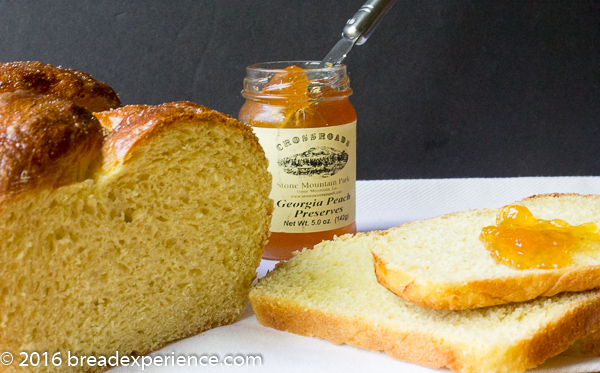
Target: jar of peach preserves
<point>307,126</point>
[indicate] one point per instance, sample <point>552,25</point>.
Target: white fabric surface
<point>380,205</point>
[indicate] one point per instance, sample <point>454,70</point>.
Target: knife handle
<point>362,24</point>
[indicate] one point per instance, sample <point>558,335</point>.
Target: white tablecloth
<point>380,204</point>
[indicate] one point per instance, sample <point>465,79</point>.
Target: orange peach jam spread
<point>291,100</point>
<point>293,83</point>
<point>521,241</point>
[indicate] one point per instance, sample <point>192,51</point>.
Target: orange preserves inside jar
<point>295,99</point>
<point>521,241</point>
<point>288,102</point>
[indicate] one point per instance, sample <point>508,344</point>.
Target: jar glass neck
<point>295,80</point>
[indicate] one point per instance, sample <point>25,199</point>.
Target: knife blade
<point>357,30</point>
<point>337,54</point>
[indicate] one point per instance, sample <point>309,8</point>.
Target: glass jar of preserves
<point>307,126</point>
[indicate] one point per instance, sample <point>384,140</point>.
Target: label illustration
<point>314,176</point>
<point>320,161</point>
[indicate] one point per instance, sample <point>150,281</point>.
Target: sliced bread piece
<point>441,262</point>
<point>125,243</point>
<point>331,292</point>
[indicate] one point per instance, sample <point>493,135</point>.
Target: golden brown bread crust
<point>580,322</point>
<point>111,119</point>
<point>45,142</point>
<point>421,347</point>
<point>484,293</point>
<point>588,346</point>
<point>418,348</point>
<point>133,125</point>
<point>40,78</point>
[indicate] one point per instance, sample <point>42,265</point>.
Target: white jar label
<point>314,176</point>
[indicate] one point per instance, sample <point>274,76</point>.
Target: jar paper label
<point>314,176</point>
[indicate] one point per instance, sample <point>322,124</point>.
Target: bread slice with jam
<point>443,263</point>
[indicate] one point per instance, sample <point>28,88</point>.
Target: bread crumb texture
<point>331,292</point>
<point>160,244</point>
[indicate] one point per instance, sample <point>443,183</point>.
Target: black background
<point>442,88</point>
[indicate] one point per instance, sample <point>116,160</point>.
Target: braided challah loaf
<point>73,85</point>
<point>123,239</point>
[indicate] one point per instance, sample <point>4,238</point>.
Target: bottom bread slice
<point>331,292</point>
<point>588,346</point>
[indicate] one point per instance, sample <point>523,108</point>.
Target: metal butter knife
<point>357,30</point>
